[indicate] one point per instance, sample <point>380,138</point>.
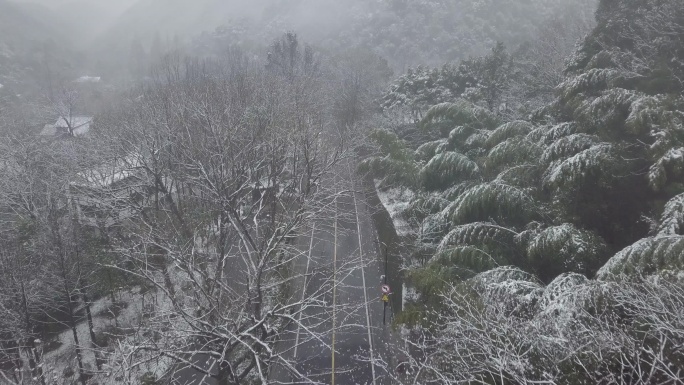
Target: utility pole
<point>386,254</point>
<point>384,303</point>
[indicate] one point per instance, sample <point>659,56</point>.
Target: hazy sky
<point>95,16</point>
<point>116,6</point>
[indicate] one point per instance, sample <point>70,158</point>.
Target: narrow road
<point>344,341</point>
<point>352,346</point>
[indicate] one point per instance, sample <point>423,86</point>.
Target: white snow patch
<point>130,319</point>
<point>578,165</point>
<point>659,251</point>
<point>107,174</point>
<point>79,125</point>
<point>88,79</point>
<point>408,294</point>
<point>396,202</point>
<point>672,219</point>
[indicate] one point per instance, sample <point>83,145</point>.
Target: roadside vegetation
<point>549,206</point>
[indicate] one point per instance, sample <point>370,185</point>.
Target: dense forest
<point>548,243</point>
<point>209,192</point>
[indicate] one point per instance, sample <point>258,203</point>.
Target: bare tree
<point>229,160</point>
<point>574,330</point>
<point>46,272</point>
<point>359,77</point>
<point>25,291</point>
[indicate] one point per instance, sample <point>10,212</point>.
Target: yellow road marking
<point>334,296</point>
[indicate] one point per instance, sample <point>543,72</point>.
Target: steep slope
<point>32,46</point>
<point>584,195</point>
<point>80,21</point>
<point>432,32</point>
<point>174,17</point>
<point>407,33</point>
<point>84,20</point>
<point>602,164</point>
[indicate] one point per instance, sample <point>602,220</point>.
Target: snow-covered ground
<point>409,294</point>
<point>124,363</point>
<point>57,360</point>
<point>88,79</point>
<point>129,318</point>
<point>396,201</point>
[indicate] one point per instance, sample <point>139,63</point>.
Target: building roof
<point>109,173</point>
<point>79,124</point>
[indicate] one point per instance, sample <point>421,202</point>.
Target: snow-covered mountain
<point>29,41</point>
<point>146,18</point>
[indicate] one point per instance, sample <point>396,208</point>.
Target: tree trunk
<point>34,360</point>
<point>167,281</point>
<point>89,316</point>
<point>221,254</point>
<point>225,375</point>
<point>34,357</point>
<point>13,352</point>
<point>112,297</point>
<point>72,324</point>
<point>91,329</point>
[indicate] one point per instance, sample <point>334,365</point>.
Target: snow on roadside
<point>396,201</point>
<point>131,317</point>
<point>57,360</point>
<point>126,363</point>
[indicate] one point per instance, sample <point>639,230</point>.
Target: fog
<point>45,40</point>
<point>115,7</point>
<point>341,191</point>
<point>79,20</point>
<point>92,22</point>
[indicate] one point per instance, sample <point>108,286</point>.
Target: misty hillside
<point>42,42</point>
<point>35,21</point>
<point>432,32</point>
<point>146,18</point>
<point>32,44</point>
<point>408,33</point>
<point>83,20</point>
<point>21,31</point>
<point>79,21</point>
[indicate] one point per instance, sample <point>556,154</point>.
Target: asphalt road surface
<point>356,328</point>
<point>340,255</point>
